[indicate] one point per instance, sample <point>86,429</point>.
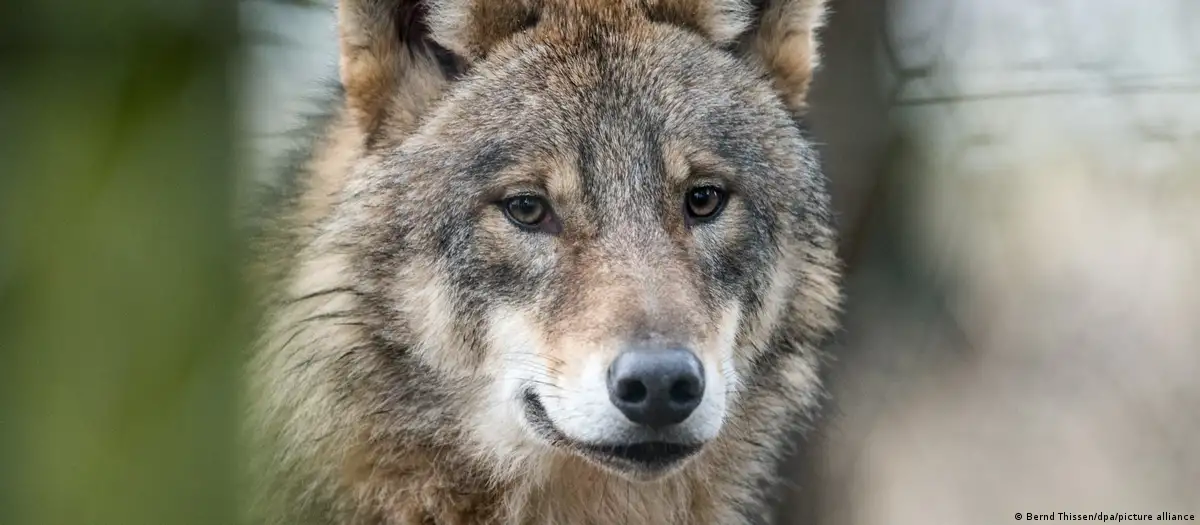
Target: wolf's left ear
<point>778,34</point>
<point>782,36</point>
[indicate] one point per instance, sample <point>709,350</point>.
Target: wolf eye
<point>526,210</point>
<point>705,202</point>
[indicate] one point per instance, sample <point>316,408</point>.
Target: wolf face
<point>599,224</point>
<point>593,228</point>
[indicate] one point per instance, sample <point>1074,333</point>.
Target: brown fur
<point>374,381</point>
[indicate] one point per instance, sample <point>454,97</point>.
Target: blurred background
<point>1018,185</point>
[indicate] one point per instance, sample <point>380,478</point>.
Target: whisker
<point>343,314</point>
<point>323,293</point>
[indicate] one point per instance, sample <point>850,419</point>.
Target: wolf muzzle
<point>656,387</point>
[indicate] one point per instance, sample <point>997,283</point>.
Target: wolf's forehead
<point>615,127</point>
<point>603,117</point>
<point>613,77</point>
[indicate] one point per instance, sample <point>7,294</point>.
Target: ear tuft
<point>783,39</point>
<point>721,21</point>
<point>398,56</point>
<point>779,35</point>
<point>386,53</point>
<point>472,28</point>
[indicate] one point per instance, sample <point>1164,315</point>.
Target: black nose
<point>656,387</point>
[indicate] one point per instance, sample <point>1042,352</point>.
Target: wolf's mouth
<point>648,456</point>
<point>652,455</point>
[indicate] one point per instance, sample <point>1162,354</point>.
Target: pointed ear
<point>386,52</point>
<point>398,56</point>
<point>782,37</point>
<point>778,34</point>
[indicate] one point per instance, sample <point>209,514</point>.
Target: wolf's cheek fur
<point>424,297</point>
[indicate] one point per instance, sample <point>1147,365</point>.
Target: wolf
<point>547,262</point>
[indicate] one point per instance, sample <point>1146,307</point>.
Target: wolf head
<point>595,224</point>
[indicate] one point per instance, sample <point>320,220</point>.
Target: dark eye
<point>526,210</point>
<point>705,202</point>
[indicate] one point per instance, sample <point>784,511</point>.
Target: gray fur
<point>401,299</point>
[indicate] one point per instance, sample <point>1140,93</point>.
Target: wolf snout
<point>656,387</point>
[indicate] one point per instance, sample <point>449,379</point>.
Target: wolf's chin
<point>641,461</point>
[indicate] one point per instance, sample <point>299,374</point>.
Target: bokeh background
<point>1021,187</point>
<point>1018,185</point>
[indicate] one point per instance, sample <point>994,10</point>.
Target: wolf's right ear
<point>398,56</point>
<point>385,53</point>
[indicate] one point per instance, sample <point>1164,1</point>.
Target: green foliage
<point>120,305</point>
